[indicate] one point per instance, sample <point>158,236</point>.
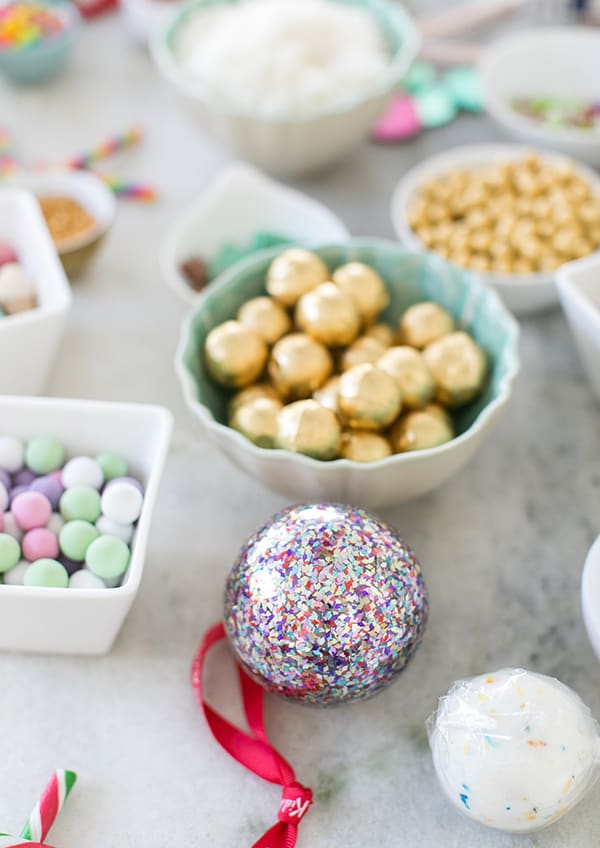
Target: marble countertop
<point>502,544</point>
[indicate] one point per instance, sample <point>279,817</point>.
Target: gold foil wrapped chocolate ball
<point>295,272</point>
<point>364,287</point>
<point>235,356</point>
<point>424,323</point>
<point>364,350</point>
<point>459,368</point>
<point>368,398</point>
<point>420,430</point>
<point>298,366</point>
<point>266,317</point>
<point>250,393</point>
<point>382,332</point>
<point>364,446</point>
<point>327,395</point>
<point>328,315</point>
<point>257,421</point>
<point>307,427</point>
<point>408,368</point>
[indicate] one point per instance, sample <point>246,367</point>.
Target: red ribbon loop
<point>254,751</point>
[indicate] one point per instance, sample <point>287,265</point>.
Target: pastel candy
<point>46,573</point>
<point>11,450</point>
<point>10,552</point>
<point>4,497</point>
<point>401,120</point>
<point>80,502</point>
<point>48,486</point>
<point>56,523</point>
<point>75,539</point>
<point>7,253</point>
<point>131,480</point>
<point>5,479</point>
<point>85,579</point>
<point>70,565</point>
<point>39,543</point>
<point>24,477</point>
<point>15,492</point>
<point>31,509</point>
<point>44,454</point>
<point>434,107</point>
<point>11,527</point>
<point>107,557</point>
<point>82,471</point>
<point>122,502</point>
<point>113,528</point>
<point>112,464</point>
<point>15,576</point>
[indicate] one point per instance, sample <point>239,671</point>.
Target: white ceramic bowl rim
<point>278,455</point>
<point>473,155</point>
<point>401,60</point>
<point>501,110</point>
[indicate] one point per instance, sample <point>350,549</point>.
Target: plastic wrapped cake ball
<point>295,272</point>
<point>364,350</point>
<point>424,323</point>
<point>328,315</point>
<point>266,317</point>
<point>365,288</point>
<point>235,356</point>
<point>407,366</point>
<point>325,604</point>
<point>368,398</point>
<point>514,749</point>
<point>257,420</point>
<point>421,429</point>
<point>298,366</point>
<point>311,429</point>
<point>459,368</point>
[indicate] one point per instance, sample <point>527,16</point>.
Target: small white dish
<point>238,202</point>
<point>590,595</point>
<point>578,286</point>
<point>84,621</point>
<point>552,62</point>
<point>524,294</point>
<point>29,340</point>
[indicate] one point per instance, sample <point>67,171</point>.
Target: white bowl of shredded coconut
<point>289,84</point>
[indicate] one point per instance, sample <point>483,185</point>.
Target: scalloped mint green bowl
<point>410,277</point>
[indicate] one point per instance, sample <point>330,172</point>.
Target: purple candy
<point>49,487</point>
<point>5,479</point>
<point>24,477</point>
<point>130,480</point>
<point>70,565</point>
<point>15,491</point>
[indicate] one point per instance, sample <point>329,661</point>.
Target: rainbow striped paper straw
<point>49,806</point>
<point>107,148</point>
<point>128,189</point>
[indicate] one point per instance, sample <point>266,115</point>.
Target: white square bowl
<point>29,340</point>
<point>578,285</point>
<point>84,621</point>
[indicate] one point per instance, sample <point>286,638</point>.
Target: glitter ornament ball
<point>326,604</point>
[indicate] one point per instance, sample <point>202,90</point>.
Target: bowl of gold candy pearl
<point>361,372</point>
<point>505,213</point>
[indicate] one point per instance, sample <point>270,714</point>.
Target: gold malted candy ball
<point>420,430</point>
<point>266,317</point>
<point>458,366</point>
<point>311,429</point>
<point>234,355</point>
<point>328,315</point>
<point>364,349</point>
<point>410,371</point>
<point>327,395</point>
<point>295,272</point>
<point>364,287</point>
<point>382,332</point>
<point>368,398</point>
<point>298,366</point>
<point>257,421</point>
<point>424,323</point>
<point>250,393</point>
<point>364,446</point>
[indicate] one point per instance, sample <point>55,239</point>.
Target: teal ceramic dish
<point>44,59</point>
<point>411,277</point>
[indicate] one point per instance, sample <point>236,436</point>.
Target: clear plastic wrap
<point>514,749</point>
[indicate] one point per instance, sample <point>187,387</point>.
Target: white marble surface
<point>502,544</point>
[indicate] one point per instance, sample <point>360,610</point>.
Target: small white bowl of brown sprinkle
<point>509,214</point>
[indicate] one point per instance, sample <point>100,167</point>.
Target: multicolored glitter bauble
<point>325,604</point>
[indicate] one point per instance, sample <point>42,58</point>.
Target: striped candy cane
<point>49,806</point>
<point>17,842</point>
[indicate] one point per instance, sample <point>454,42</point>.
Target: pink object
<point>31,510</point>
<point>7,254</point>
<point>1,522</point>
<point>39,543</point>
<point>56,475</point>
<point>400,121</point>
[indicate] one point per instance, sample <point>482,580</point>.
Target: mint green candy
<point>112,465</point>
<point>10,552</point>
<point>420,76</point>
<point>434,107</point>
<point>464,87</point>
<point>80,502</point>
<point>44,454</point>
<point>76,537</point>
<point>107,557</point>
<point>46,572</point>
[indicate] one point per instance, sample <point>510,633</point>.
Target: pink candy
<point>7,254</point>
<point>39,544</point>
<point>31,510</point>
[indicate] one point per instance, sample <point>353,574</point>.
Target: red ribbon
<point>254,751</point>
